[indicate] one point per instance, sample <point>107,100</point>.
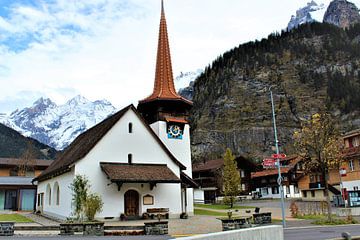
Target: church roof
<point>164,88</point>
<point>139,173</point>
<point>82,145</point>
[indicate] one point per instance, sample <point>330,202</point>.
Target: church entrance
<point>131,203</point>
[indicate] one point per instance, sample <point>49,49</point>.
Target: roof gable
<point>85,142</point>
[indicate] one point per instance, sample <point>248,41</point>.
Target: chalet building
<point>265,181</point>
<point>137,159</point>
<point>16,189</point>
<point>351,165</point>
<point>208,175</point>
<point>312,185</point>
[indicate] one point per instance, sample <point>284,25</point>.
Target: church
<point>137,159</point>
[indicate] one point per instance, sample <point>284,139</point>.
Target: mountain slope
<point>58,126</point>
<point>13,145</point>
<point>314,67</point>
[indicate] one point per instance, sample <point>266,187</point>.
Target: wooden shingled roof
<point>138,173</point>
<point>82,145</point>
<point>164,88</point>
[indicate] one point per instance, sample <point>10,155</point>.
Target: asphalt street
<point>321,232</point>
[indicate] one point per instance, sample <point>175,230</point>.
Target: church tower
<point>164,110</point>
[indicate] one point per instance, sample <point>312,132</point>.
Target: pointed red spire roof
<point>164,81</point>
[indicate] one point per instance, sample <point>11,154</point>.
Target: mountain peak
<point>342,13</point>
<point>44,102</point>
<point>59,125</point>
<point>78,100</point>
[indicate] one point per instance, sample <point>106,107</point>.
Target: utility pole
<point>279,180</point>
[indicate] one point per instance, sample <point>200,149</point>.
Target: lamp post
<point>279,180</point>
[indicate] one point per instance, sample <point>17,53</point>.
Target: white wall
<point>349,185</point>
<point>258,233</point>
<point>64,209</point>
<point>115,147</point>
<point>199,196</point>
<point>270,194</point>
<point>180,148</point>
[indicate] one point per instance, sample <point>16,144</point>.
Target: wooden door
<point>131,203</point>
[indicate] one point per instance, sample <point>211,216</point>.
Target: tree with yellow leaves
<point>231,178</point>
<point>320,145</point>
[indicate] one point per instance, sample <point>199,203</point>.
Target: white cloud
<point>107,49</point>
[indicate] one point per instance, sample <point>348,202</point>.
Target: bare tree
<point>27,160</point>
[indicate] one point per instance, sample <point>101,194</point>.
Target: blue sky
<point>107,48</point>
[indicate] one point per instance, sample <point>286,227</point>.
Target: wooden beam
<point>119,184</point>
<point>152,185</point>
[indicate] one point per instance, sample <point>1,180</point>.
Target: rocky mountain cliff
<point>342,13</point>
<point>311,68</point>
<point>58,125</point>
<point>13,145</point>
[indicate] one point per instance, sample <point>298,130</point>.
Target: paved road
<point>316,233</point>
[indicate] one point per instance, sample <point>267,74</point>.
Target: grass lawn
<point>209,213</point>
<point>15,218</point>
<point>221,206</point>
<point>322,220</point>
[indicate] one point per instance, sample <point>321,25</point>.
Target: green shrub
<point>93,205</point>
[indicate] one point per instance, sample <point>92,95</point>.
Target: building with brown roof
<point>208,175</point>
<point>265,182</point>
<point>16,189</point>
<point>137,159</point>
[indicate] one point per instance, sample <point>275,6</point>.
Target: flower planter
<point>235,223</point>
<point>88,228</point>
<point>6,228</point>
<point>156,228</point>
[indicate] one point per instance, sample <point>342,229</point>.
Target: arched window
<point>48,194</point>
<point>130,127</point>
<point>130,158</point>
<point>57,193</point>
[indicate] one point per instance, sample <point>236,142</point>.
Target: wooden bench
<point>158,213</point>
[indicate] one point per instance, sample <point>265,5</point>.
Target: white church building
<point>138,158</point>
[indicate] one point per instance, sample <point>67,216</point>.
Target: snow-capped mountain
<point>184,78</point>
<point>58,125</point>
<point>312,12</point>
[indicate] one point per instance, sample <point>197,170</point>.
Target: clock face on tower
<point>174,131</point>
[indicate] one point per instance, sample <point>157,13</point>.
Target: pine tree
<point>231,178</point>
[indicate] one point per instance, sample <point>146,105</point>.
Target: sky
<point>106,49</point>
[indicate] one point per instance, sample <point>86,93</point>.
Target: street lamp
<point>279,180</point>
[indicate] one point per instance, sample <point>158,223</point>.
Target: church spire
<point>164,88</point>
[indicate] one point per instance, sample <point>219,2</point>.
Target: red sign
<point>279,156</point>
<point>343,172</point>
<point>269,162</point>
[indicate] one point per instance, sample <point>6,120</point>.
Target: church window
<point>57,193</point>
<point>130,127</point>
<point>48,193</point>
<point>130,158</point>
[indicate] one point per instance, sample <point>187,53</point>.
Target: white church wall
<point>180,148</point>
<point>115,147</point>
<point>64,209</point>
